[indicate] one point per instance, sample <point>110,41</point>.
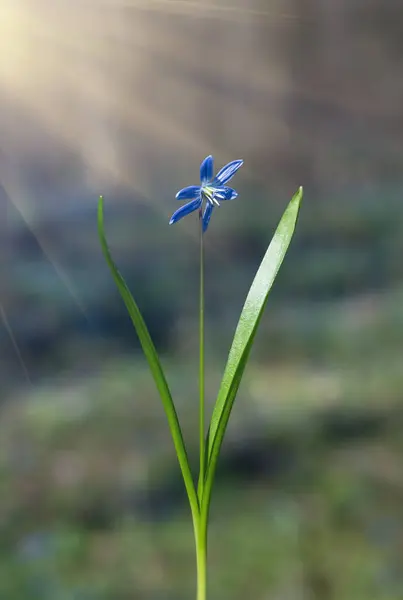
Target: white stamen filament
<point>209,194</point>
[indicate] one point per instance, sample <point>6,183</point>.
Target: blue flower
<point>210,191</point>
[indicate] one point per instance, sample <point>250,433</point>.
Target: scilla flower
<point>211,191</point>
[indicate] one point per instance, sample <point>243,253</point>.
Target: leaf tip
<point>299,193</point>
<point>297,197</point>
<point>101,216</point>
<point>100,206</point>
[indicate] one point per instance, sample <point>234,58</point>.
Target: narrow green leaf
<point>154,364</point>
<point>247,327</point>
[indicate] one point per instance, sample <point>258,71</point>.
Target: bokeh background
<point>125,98</point>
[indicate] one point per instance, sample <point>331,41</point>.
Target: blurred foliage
<point>309,496</point>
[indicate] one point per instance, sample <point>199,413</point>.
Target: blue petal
<point>206,169</point>
<point>227,172</point>
<point>225,193</point>
<point>207,215</point>
<point>188,193</point>
<point>185,210</point>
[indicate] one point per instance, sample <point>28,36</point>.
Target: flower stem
<point>201,369</point>
<point>201,559</point>
<point>200,525</point>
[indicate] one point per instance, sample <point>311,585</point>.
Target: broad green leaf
<point>153,361</point>
<point>247,327</point>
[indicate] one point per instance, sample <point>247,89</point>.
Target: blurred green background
<point>126,99</point>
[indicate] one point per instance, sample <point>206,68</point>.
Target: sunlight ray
<point>47,252</point>
<point>14,343</point>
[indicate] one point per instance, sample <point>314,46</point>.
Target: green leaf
<point>154,364</point>
<point>247,327</point>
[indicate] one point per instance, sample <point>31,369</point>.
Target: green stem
<point>201,558</point>
<point>200,526</point>
<point>200,487</point>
